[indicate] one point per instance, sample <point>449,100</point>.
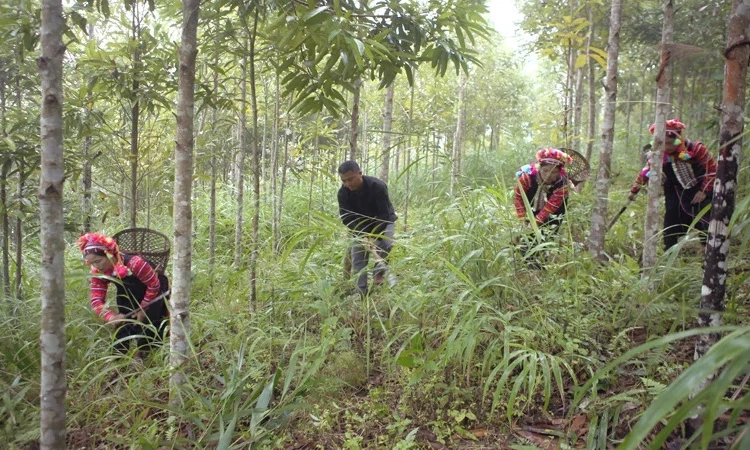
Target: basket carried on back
<point>578,171</point>
<point>146,243</point>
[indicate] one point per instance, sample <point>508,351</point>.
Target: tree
<point>598,221</point>
<point>325,50</point>
<point>52,337</point>
<point>183,211</point>
<point>655,190</point>
<point>737,55</point>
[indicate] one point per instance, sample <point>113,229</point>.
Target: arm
<point>98,291</point>
<point>346,215</point>
<point>524,181</point>
<point>553,204</point>
<point>704,158</point>
<point>143,271</point>
<point>640,180</point>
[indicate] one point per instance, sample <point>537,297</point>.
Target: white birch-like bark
<point>654,219</point>
<point>238,224</point>
<point>179,339</point>
<point>737,54</point>
<point>591,129</point>
<point>387,125</point>
<point>256,171</point>
<point>52,336</point>
<point>275,165</point>
<point>603,179</point>
<point>459,133</point>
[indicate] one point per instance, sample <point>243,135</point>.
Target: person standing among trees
<point>141,292</point>
<point>689,173</point>
<point>366,209</point>
<point>545,186</point>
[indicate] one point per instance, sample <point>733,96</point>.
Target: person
<point>689,172</point>
<point>366,209</point>
<point>545,186</point>
<point>141,292</point>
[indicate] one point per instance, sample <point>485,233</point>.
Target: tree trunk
<point>212,189</point>
<point>628,111</point>
<point>737,54</point>
<point>459,133</point>
<point>238,250</point>
<point>410,124</point>
<point>52,336</point>
<point>179,337</point>
<point>135,113</point>
<point>578,110</point>
<point>354,134</point>
<point>387,124</point>
<point>287,134</point>
<point>599,214</point>
<point>591,131</point>
<point>5,225</point>
<point>655,190</point>
<point>256,171</point>
<point>19,234</point>
<point>275,164</point>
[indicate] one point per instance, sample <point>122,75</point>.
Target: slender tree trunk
<point>410,130</point>
<point>287,134</point>
<point>458,135</point>
<point>591,128</point>
<point>52,337</point>
<point>238,250</point>
<point>387,124</point>
<point>87,183</point>
<point>599,214</point>
<point>578,110</point>
<point>179,337</point>
<point>655,190</point>
<point>642,117</point>
<point>628,111</point>
<point>275,164</point>
<point>19,234</point>
<point>5,225</point>
<point>212,189</point>
<point>736,54</point>
<point>4,186</point>
<point>135,113</point>
<point>256,172</point>
<point>354,134</point>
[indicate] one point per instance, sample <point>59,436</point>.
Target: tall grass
<point>470,335</point>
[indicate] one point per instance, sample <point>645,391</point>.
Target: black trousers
<point>150,332</point>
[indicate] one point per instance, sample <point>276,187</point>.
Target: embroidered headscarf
<point>553,156</point>
<point>672,125</point>
<point>103,245</point>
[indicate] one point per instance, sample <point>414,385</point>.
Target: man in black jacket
<point>366,209</point>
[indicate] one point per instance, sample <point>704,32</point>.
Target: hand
<point>699,197</point>
<point>116,320</point>
<point>631,196</point>
<point>140,316</point>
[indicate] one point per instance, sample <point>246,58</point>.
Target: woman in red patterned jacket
<point>139,292</point>
<point>545,186</point>
<point>689,173</point>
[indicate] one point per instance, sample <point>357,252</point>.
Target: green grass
<point>470,339</point>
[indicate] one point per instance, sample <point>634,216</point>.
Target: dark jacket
<point>368,209</point>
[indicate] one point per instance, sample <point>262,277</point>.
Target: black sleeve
<point>345,214</point>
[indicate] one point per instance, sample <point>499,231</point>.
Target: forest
<point>221,125</point>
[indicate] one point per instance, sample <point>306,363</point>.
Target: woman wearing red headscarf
<point>545,186</point>
<point>689,173</point>
<point>139,291</point>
